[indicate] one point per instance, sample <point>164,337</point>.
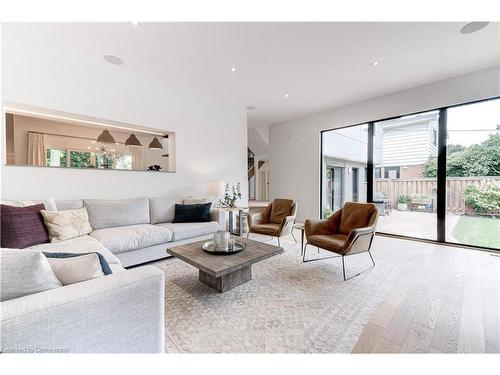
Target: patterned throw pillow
<point>22,227</point>
<point>63,225</point>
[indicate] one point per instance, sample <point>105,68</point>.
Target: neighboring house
<point>401,148</point>
<point>407,143</point>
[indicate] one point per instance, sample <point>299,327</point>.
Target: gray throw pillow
<point>24,272</point>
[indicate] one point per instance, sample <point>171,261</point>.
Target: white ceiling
<point>320,65</point>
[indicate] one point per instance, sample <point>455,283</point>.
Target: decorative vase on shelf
<point>221,240</point>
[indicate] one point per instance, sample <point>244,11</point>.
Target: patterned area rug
<point>288,306</point>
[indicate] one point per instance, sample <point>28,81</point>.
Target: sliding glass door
<point>473,174</point>
<point>404,190</point>
<point>432,175</point>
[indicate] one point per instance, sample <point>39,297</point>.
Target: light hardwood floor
<point>447,300</point>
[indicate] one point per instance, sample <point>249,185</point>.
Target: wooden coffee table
<point>224,272</point>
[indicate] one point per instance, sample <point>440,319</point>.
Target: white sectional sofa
<point>122,312</point>
<point>140,230</point>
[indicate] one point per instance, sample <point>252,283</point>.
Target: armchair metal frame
<point>357,234</point>
<point>304,260</point>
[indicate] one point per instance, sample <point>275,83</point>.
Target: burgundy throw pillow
<point>22,227</point>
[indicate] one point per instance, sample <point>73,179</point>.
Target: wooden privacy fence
<point>455,188</point>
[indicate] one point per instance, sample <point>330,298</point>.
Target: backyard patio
<point>462,229</point>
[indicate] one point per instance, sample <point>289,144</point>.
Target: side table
<point>232,210</point>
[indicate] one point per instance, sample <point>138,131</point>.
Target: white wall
<point>94,88</point>
<point>295,145</point>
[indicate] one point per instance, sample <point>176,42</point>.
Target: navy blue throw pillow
<point>192,213</point>
<point>104,263</point>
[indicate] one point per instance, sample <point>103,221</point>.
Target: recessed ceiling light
<point>233,69</point>
<point>135,23</point>
<point>285,96</point>
<point>251,107</point>
<point>113,60</point>
<point>472,27</point>
<point>375,63</point>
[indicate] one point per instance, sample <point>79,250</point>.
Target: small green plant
<point>327,213</point>
<point>230,198</point>
<point>484,198</point>
<point>404,199</point>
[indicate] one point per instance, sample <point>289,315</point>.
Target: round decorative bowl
<point>238,246</point>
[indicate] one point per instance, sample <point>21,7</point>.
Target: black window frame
<point>441,170</point>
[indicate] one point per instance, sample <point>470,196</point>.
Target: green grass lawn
<point>478,231</point>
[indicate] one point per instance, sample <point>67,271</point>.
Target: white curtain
<point>37,153</point>
<point>137,158</point>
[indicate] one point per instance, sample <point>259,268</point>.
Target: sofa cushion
<point>182,231</point>
<point>64,225</point>
<point>79,245</point>
<point>162,209</point>
<point>24,272</point>
<point>49,203</point>
<point>117,213</point>
<point>22,227</point>
<point>132,237</point>
<point>69,204</point>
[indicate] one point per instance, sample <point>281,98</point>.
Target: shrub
<point>327,213</point>
<point>404,199</point>
<point>484,198</point>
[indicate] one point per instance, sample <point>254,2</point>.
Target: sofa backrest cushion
<point>117,213</point>
<point>162,210</point>
<point>71,204</point>
<point>49,203</point>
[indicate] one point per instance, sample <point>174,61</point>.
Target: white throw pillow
<point>76,269</point>
<point>63,225</point>
<point>49,203</point>
<point>24,272</point>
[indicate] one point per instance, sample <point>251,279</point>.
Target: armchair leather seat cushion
<point>131,237</point>
<point>270,229</point>
<point>281,208</point>
<point>355,215</point>
<point>333,242</point>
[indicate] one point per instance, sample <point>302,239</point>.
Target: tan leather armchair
<point>348,231</point>
<point>276,220</point>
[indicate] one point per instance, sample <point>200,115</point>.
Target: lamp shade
<point>105,137</point>
<point>216,188</point>
<point>155,144</point>
<point>133,141</point>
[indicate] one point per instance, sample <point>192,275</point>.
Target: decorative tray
<point>238,246</point>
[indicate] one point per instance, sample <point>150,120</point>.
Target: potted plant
<point>231,196</point>
<point>403,202</point>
